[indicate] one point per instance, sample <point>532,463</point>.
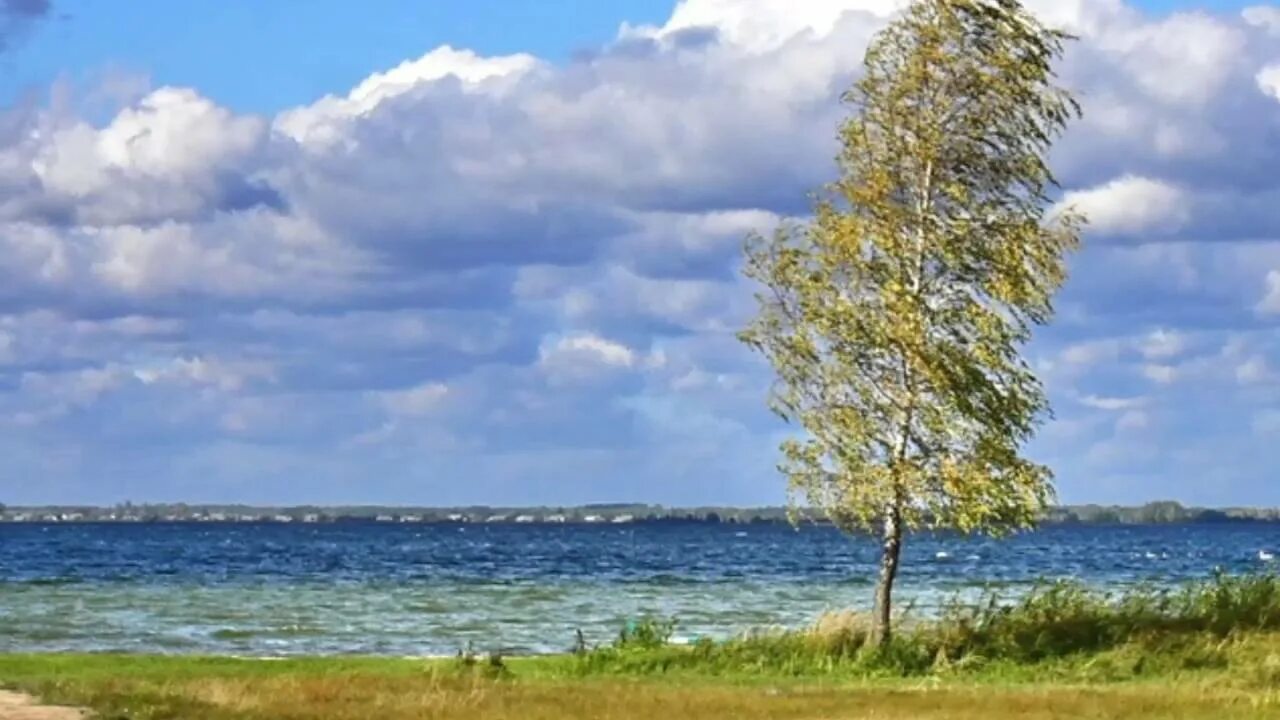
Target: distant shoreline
<point>1165,512</point>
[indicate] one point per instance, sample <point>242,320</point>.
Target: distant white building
<point>496,518</point>
<point>554,519</point>
<point>311,518</point>
<point>525,518</point>
<point>411,519</point>
<point>593,519</point>
<point>456,517</point>
<point>385,518</point>
<point>283,518</point>
<point>624,519</point>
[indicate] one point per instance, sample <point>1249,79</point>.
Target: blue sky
<point>263,56</point>
<point>457,253</point>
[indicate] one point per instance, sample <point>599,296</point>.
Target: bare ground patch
<point>15,706</point>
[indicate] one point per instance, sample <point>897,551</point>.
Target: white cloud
<point>1184,59</point>
<point>672,240</point>
<point>1130,205</point>
<point>327,120</point>
<point>763,25</point>
<point>1162,344</point>
<point>618,294</point>
<point>583,358</point>
<point>1270,303</point>
<point>1092,352</point>
<point>1163,374</point>
<point>175,133</point>
<point>603,351</point>
<point>415,401</point>
<point>224,375</point>
<point>1254,370</point>
<point>34,253</point>
<point>1268,79</point>
<point>167,156</point>
<point>1263,16</point>
<point>54,394</point>
<point>251,253</point>
<point>442,62</point>
<point>1098,402</point>
<point>134,326</point>
<point>45,396</point>
<point>559,244</point>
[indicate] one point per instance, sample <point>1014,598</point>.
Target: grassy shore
<point>1210,651</point>
<point>217,689</point>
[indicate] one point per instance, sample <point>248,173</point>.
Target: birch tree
<point>895,318</point>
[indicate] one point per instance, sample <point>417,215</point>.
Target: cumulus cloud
<point>1184,59</point>
<point>172,155</point>
<point>1130,205</point>
<point>763,26</point>
<point>328,120</point>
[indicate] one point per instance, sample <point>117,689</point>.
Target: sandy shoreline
<point>16,706</point>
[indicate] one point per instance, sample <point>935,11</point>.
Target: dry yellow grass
<point>841,624</point>
<point>427,698</point>
<point>1243,685</point>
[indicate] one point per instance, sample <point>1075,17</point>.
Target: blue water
<point>432,589</point>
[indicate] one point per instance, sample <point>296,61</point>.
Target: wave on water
<point>41,581</point>
<point>431,590</point>
<point>287,631</point>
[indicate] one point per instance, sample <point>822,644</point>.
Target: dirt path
<point>14,706</point>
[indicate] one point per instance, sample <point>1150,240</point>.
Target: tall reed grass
<point>1053,621</point>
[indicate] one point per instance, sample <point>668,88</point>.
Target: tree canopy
<point>895,318</point>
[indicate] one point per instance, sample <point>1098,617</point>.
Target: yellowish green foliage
<point>895,318</point>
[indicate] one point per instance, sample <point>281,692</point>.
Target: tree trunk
<point>891,549</point>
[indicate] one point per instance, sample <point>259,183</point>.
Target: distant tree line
<point>1164,512</point>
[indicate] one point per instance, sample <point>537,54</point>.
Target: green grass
<point>1054,625</point>
<point>1210,650</point>
<point>152,688</point>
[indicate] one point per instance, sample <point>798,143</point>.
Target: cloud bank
<point>499,279</point>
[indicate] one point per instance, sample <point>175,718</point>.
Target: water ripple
<point>424,590</point>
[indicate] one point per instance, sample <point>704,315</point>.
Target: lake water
<point>266,590</point>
